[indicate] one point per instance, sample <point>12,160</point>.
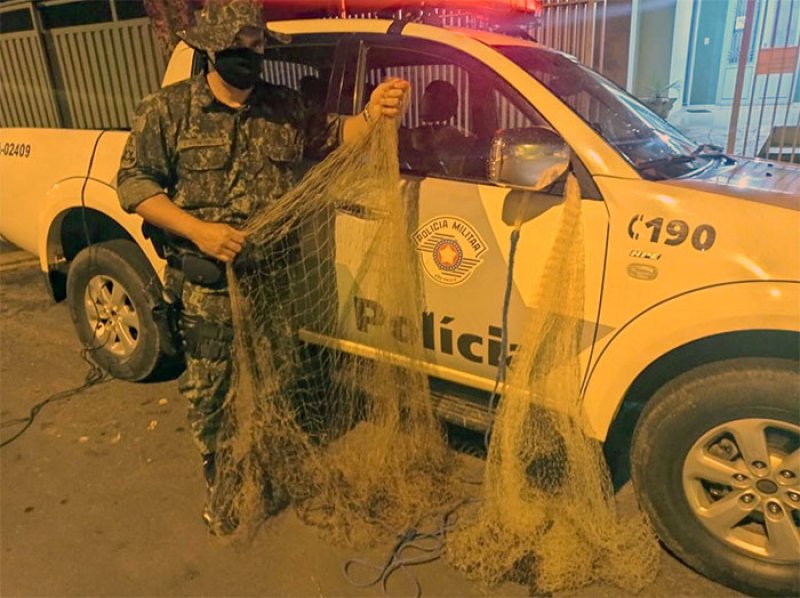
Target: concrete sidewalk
<point>710,124</point>
<point>102,495</point>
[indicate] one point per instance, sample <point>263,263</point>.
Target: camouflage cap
<point>218,23</point>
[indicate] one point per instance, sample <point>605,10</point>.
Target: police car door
<point>463,222</point>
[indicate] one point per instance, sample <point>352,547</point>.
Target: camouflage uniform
<point>221,165</point>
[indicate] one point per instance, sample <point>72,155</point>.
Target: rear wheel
<point>716,464</point>
<point>111,291</point>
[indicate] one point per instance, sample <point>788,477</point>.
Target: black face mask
<point>239,67</point>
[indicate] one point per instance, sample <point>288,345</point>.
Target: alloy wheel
<point>741,481</point>
<point>112,316</point>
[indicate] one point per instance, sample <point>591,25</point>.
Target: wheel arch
<point>66,221</point>
<point>775,344</point>
<point>725,321</point>
<point>682,330</point>
<point>781,344</point>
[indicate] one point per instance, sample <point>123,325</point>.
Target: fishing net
<point>345,430</point>
<point>352,439</point>
<point>548,516</point>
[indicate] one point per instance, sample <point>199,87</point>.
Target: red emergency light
<point>476,5</point>
<point>290,8</point>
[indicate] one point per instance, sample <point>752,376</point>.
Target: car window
<point>306,68</point>
<point>456,107</point>
<point>652,145</point>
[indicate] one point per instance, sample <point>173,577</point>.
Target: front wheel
<point>112,291</point>
<point>716,464</point>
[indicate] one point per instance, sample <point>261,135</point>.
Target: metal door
<point>765,114</point>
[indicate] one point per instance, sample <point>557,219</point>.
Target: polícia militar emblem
<point>450,249</point>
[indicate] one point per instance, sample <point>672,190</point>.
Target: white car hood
<point>761,181</point>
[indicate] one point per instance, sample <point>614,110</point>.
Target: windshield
<point>653,146</point>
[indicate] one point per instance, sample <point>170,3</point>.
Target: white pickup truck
<point>691,349</point>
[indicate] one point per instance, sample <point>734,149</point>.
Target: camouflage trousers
<point>206,381</point>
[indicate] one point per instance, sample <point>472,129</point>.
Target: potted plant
<point>658,100</point>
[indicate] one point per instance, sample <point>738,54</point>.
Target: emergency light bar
<point>476,5</point>
<point>288,8</point>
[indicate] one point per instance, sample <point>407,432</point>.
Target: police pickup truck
<point>692,313</point>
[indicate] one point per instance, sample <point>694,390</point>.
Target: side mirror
<point>530,158</point>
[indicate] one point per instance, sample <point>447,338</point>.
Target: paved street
<point>102,495</point>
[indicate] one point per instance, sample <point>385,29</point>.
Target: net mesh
<point>548,516</point>
<point>351,439</point>
<point>350,436</point>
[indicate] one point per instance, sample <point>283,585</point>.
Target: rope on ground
<point>94,376</point>
<point>413,547</point>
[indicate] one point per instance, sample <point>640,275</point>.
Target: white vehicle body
<point>747,281</point>
<point>679,272</point>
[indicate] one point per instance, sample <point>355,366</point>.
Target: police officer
<point>203,155</point>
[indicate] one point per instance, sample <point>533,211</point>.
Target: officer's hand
<point>390,98</point>
<point>218,240</point>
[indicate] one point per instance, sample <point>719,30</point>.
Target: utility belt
<point>183,256</point>
<point>204,271</point>
<point>195,336</point>
<point>205,338</point>
<point>200,337</point>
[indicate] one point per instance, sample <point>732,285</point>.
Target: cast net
<point>349,437</point>
<point>345,430</point>
<point>548,516</point>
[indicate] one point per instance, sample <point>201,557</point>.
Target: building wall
<point>652,68</point>
<point>617,41</point>
<point>680,46</point>
<point>75,63</point>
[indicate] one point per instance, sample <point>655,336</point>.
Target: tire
<point>111,291</point>
<point>697,456</point>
